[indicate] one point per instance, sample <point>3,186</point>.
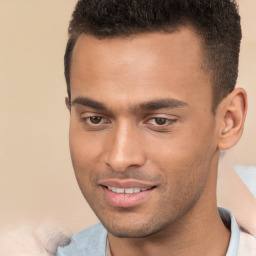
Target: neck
<point>184,238</point>
<point>199,232</point>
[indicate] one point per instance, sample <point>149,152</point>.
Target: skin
<point>116,134</point>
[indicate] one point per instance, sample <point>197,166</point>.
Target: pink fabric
<point>33,240</point>
<point>247,246</point>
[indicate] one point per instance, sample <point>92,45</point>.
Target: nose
<point>125,148</point>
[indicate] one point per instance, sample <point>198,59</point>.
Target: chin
<point>135,228</point>
<point>130,233</point>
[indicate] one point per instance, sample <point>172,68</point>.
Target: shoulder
<point>247,245</point>
<point>90,241</point>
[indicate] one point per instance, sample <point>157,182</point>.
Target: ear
<point>67,102</point>
<point>232,112</point>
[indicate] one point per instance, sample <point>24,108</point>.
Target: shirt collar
<point>230,222</point>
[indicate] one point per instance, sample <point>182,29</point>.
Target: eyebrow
<point>146,106</point>
<point>160,104</point>
<point>87,102</point>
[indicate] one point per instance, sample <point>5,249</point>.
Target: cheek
<point>185,173</point>
<point>179,152</point>
<point>84,146</point>
<point>82,156</point>
<point>183,159</point>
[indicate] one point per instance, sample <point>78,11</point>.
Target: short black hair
<point>217,22</point>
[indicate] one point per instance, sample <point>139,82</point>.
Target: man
<point>152,103</point>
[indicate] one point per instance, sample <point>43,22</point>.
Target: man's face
<point>142,135</point>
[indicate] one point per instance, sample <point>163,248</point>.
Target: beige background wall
<point>36,176</point>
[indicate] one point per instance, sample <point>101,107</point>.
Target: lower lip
<point>126,200</point>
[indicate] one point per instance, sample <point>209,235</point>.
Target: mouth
<point>126,190</point>
<point>126,194</point>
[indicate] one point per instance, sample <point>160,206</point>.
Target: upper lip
<point>117,183</point>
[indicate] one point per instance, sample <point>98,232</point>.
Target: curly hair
<point>217,22</point>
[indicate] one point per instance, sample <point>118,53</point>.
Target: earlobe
<point>67,102</point>
<point>233,112</point>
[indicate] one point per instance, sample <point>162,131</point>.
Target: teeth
<point>129,191</point>
<point>119,190</point>
<point>126,190</point>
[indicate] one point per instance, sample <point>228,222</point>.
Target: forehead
<point>145,64</point>
<point>164,48</point>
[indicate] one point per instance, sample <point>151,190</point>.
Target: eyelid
<point>85,114</point>
<point>169,120</point>
<point>161,115</point>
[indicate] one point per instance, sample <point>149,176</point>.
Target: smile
<point>126,190</point>
<point>127,197</point>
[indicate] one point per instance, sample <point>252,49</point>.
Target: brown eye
<point>95,119</point>
<point>160,121</point>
